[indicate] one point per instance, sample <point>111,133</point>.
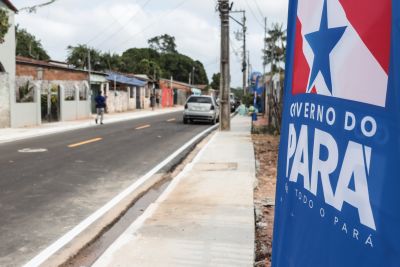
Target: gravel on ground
<point>266,152</point>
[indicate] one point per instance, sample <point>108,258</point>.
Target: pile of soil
<point>266,152</point>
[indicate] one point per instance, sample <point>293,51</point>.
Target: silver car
<point>201,108</point>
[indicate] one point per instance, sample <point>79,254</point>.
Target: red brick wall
<point>24,70</point>
<point>166,84</point>
<point>50,74</point>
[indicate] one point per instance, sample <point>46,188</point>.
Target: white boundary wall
<point>29,114</point>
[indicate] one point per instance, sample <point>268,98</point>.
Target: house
<point>7,65</point>
<point>152,84</point>
<point>48,91</point>
<point>176,93</point>
<point>126,93</point>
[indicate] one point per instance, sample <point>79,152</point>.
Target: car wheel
<point>185,121</point>
<point>214,121</point>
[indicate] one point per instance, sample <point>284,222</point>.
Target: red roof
<point>10,5</point>
<point>50,64</point>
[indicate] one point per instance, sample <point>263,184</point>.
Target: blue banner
<point>256,81</point>
<point>338,183</point>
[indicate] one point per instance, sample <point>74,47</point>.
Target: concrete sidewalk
<point>205,217</point>
<point>14,134</point>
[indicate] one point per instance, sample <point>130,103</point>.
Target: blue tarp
<point>119,78</point>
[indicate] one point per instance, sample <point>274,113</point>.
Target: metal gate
<point>138,98</point>
<point>95,92</point>
<point>175,96</point>
<point>50,104</point>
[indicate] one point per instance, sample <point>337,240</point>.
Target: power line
<point>104,29</point>
<point>259,9</point>
<point>33,9</point>
<point>149,25</point>
<point>254,15</point>
<point>107,39</point>
<point>212,63</point>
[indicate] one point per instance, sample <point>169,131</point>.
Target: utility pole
<point>266,98</point>
<point>89,68</point>
<point>244,65</point>
<point>248,66</point>
<point>225,119</point>
<point>89,78</point>
<point>265,45</point>
<point>244,31</point>
<point>193,69</point>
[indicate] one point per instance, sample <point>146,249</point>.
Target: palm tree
<point>275,54</point>
<point>275,51</point>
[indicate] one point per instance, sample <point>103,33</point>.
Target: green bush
<point>4,24</point>
<point>248,99</point>
<point>25,93</point>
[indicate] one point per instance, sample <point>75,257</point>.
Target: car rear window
<point>197,99</point>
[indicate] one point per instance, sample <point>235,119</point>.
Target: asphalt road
<point>50,184</point>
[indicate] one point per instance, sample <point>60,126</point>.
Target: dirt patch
<point>266,151</point>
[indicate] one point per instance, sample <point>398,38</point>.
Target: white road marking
<point>32,150</point>
<point>143,127</point>
<point>65,239</point>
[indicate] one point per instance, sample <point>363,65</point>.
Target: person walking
<point>152,101</point>
<point>100,106</point>
<point>158,100</point>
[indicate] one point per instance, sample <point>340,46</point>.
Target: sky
<point>117,25</point>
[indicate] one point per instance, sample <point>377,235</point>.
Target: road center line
<point>85,142</point>
<point>143,127</point>
<point>65,239</point>
<point>171,120</point>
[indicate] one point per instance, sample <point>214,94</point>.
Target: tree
<point>163,44</point>
<point>275,52</point>
<point>29,46</point>
<point>200,75</point>
<point>147,61</point>
<point>110,61</point>
<point>176,65</point>
<point>130,58</point>
<point>143,61</point>
<point>4,24</point>
<point>150,68</point>
<point>215,81</point>
<point>78,56</point>
<point>275,55</point>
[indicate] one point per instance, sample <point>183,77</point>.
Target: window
<point>69,93</point>
<point>132,92</point>
<point>82,93</point>
<point>198,99</point>
<point>25,93</point>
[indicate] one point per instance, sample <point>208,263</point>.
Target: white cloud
<point>120,24</point>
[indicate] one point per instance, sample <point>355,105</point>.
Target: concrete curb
<point>98,228</point>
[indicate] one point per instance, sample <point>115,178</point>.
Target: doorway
<point>138,97</point>
<point>50,104</point>
<point>95,89</point>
